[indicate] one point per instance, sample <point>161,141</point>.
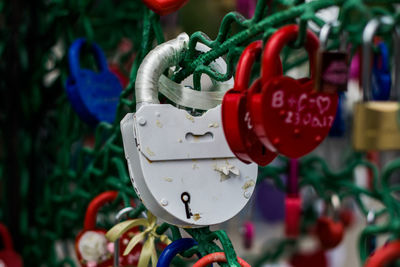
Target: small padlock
<point>91,246</point>
<point>181,165</point>
<point>293,201</point>
<point>132,259</point>
<point>381,76</point>
<point>164,7</point>
<point>376,123</point>
<point>178,246</point>
<point>236,119</point>
<point>332,68</point>
<point>8,257</point>
<point>330,229</point>
<point>288,115</point>
<point>93,95</point>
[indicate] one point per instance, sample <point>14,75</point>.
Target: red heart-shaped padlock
<point>290,116</point>
<point>164,7</point>
<point>8,257</point>
<point>329,232</point>
<point>91,246</point>
<point>236,121</point>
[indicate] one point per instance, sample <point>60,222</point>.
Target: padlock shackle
<point>74,54</point>
<point>94,207</point>
<point>118,219</point>
<point>246,62</point>
<point>178,246</point>
<point>385,255</point>
<point>6,237</point>
<point>369,32</point>
<point>161,58</point>
<point>271,64</point>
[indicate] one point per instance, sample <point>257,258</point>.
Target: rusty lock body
<point>376,123</point>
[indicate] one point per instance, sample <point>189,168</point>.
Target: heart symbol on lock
<point>329,232</point>
<point>290,117</point>
<point>164,7</point>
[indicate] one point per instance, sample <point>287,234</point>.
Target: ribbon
<point>148,236</point>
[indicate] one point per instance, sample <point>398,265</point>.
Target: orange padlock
<point>8,257</point>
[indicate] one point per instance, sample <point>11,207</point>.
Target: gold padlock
<point>376,123</point>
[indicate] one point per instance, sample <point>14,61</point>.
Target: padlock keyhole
<point>196,138</point>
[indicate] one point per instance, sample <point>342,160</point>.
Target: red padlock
<point>330,232</point>
<point>164,7</point>
<point>385,255</point>
<point>289,116</point>
<point>236,121</point>
<point>330,229</point>
<point>8,257</point>
<point>91,246</point>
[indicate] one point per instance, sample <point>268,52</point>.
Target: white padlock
<point>180,165</point>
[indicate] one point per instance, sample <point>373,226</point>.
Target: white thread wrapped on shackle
<point>154,64</point>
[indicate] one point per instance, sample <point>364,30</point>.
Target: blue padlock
<point>339,125</point>
<point>381,77</point>
<point>178,246</point>
<point>93,95</point>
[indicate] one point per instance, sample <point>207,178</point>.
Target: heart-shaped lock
<point>385,255</point>
<point>236,119</point>
<point>330,233</point>
<point>180,164</point>
<point>93,95</point>
<point>330,229</point>
<point>8,257</point>
<point>164,7</point>
<point>288,115</point>
<point>91,246</point>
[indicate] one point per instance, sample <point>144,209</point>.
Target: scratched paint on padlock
<point>304,110</point>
